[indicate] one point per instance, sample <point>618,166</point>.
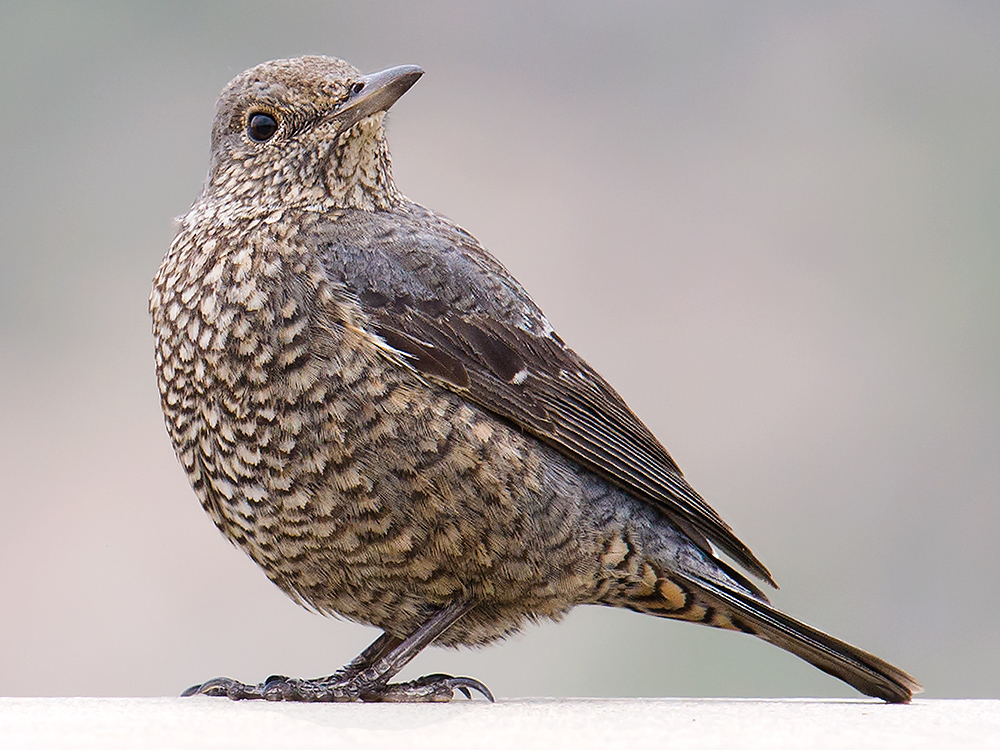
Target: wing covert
<point>545,388</point>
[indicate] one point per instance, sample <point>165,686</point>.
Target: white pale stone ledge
<point>153,723</point>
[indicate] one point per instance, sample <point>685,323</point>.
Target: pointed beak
<point>375,93</point>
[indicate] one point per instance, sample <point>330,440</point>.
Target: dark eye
<point>261,126</point>
<point>357,87</point>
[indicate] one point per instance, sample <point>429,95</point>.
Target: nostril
<point>357,88</point>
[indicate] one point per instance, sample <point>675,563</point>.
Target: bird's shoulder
<point>414,258</point>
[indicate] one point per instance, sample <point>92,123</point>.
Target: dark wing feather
<point>545,388</point>
<point>432,292</point>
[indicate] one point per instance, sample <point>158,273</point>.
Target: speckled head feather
<point>328,145</point>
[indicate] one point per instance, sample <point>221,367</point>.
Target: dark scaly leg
<point>366,678</point>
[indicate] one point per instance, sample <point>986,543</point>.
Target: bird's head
<point>305,131</point>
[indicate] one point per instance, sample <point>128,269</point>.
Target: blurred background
<point>774,227</point>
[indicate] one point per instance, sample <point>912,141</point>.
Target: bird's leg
<point>366,678</point>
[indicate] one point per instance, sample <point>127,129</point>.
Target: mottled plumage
<point>370,406</point>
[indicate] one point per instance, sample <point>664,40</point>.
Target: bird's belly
<point>380,497</point>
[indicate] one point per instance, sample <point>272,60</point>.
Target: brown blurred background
<point>774,227</point>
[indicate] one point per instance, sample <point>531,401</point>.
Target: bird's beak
<point>375,93</point>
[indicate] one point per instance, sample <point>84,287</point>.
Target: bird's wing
<point>545,388</point>
<point>518,370</point>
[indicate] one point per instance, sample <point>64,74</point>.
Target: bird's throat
<point>359,171</point>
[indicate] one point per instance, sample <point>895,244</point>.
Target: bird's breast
<point>328,459</point>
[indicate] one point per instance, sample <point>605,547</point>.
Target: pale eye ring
<point>261,126</point>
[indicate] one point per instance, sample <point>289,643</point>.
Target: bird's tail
<point>720,605</point>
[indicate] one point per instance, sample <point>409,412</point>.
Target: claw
<point>193,690</point>
<point>433,687</point>
<point>224,687</point>
<point>465,684</point>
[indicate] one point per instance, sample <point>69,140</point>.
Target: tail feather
<point>869,674</point>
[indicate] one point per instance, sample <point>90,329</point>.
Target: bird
<point>373,409</point>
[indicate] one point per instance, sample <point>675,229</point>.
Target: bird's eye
<point>261,126</point>
<point>357,88</point>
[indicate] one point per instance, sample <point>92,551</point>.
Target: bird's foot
<point>434,688</point>
<point>278,688</point>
